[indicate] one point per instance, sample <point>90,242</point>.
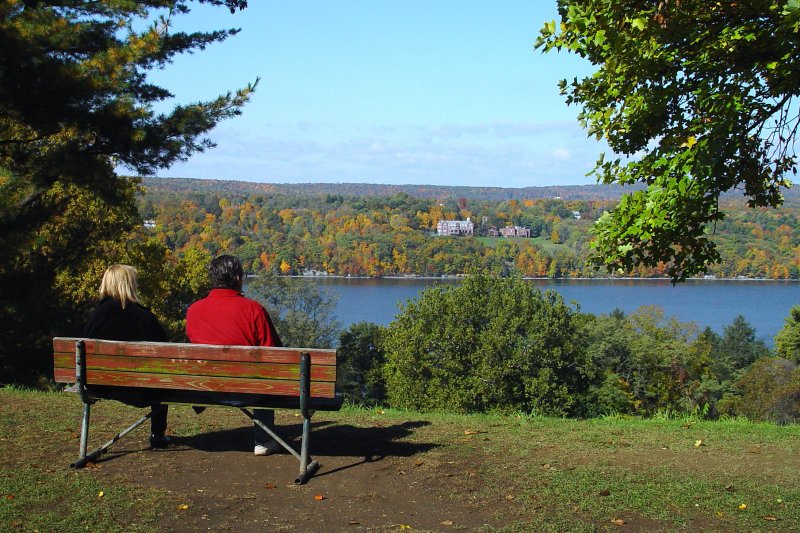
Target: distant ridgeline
<point>360,229</point>
<point>566,192</point>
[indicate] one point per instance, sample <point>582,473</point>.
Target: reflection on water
<point>765,304</point>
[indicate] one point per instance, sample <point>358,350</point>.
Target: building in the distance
<point>515,231</point>
<point>455,227</point>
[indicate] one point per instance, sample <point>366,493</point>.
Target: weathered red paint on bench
<point>196,367</point>
<point>200,367</point>
<point>198,383</point>
<point>166,350</point>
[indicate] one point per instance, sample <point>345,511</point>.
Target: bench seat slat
<point>196,383</point>
<point>196,351</point>
<point>194,367</point>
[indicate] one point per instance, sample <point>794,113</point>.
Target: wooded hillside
<point>389,230</point>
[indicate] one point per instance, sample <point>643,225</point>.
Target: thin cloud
<point>504,154</point>
<point>562,154</point>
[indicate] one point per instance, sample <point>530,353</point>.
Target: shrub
<point>770,390</point>
<point>488,343</point>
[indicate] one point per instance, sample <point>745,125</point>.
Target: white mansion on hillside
<point>455,227</point>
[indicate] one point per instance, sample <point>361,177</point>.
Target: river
<point>713,303</point>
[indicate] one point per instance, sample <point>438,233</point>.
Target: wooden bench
<point>244,377</point>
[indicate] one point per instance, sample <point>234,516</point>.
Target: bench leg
<point>84,431</point>
<point>84,459</point>
<point>306,470</point>
<point>271,433</point>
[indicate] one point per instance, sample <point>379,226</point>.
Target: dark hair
<point>226,272</point>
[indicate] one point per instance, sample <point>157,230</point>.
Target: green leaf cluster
<point>695,98</point>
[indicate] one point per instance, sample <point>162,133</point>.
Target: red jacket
<point>225,316</point>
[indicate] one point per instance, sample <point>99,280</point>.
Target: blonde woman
<point>120,317</point>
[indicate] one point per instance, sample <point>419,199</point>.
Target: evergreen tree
<point>739,343</point>
<point>787,341</point>
<point>75,104</point>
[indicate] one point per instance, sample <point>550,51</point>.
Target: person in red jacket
<point>226,316</point>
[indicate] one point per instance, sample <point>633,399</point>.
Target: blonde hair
<point>120,282</point>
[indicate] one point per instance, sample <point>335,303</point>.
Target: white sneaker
<point>267,449</point>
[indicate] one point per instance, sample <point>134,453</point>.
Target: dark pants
<point>158,422</point>
<point>266,417</point>
<point>138,398</point>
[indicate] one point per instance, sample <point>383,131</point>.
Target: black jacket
<point>110,321</point>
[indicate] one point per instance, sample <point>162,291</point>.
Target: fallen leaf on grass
<point>354,522</point>
<point>472,432</point>
<point>770,518</point>
<point>719,514</point>
<point>270,486</point>
<point>380,411</point>
<point>618,521</point>
<point>447,523</point>
<point>742,506</point>
<point>100,494</point>
<point>183,507</point>
<point>419,462</point>
<point>698,443</point>
<point>10,496</point>
<point>509,496</point>
<point>319,497</point>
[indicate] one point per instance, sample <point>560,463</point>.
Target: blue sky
<point>440,92</point>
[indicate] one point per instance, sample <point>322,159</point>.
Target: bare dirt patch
<point>379,477</point>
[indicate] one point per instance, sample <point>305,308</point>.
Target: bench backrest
<point>196,367</point>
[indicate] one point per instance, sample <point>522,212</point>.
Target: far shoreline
<point>459,277</point>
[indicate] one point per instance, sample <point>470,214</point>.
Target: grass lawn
<point>542,242</point>
<point>512,473</point>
